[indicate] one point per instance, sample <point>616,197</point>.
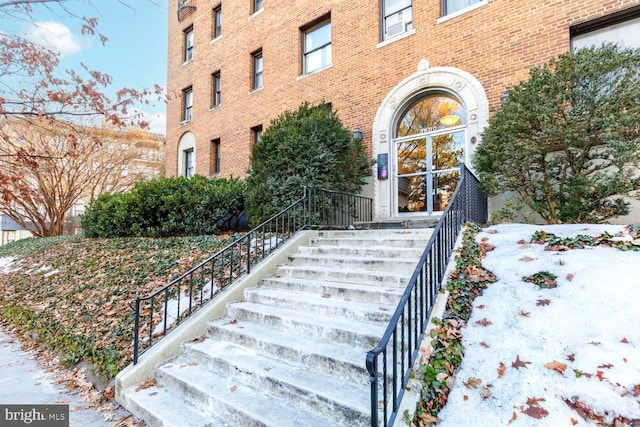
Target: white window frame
<point>257,70</point>
<point>188,44</point>
<point>398,19</point>
<point>217,21</point>
<point>216,89</point>
<point>324,49</point>
<point>187,105</point>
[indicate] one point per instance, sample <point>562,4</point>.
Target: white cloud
<point>157,121</point>
<point>55,36</point>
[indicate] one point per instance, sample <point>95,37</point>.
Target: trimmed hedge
<point>163,207</point>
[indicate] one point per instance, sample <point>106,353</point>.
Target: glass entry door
<point>427,169</point>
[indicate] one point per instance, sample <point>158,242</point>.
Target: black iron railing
<point>159,313</point>
<point>390,363</point>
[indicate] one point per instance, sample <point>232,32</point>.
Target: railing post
<point>249,252</point>
<point>372,367</point>
<point>136,330</point>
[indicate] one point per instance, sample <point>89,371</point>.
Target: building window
<point>188,44</point>
<point>451,6</point>
<point>189,163</point>
<point>256,74</point>
<point>217,21</point>
<point>257,6</point>
<point>215,85</point>
<point>621,28</point>
<point>215,157</point>
<point>256,134</point>
<point>397,17</point>
<point>187,104</point>
<point>316,47</point>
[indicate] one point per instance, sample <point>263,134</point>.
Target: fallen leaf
<point>428,418</point>
<point>599,375</point>
<point>526,258</point>
<point>514,417</point>
<point>595,342</point>
<point>148,383</point>
<point>484,239</point>
<point>233,388</point>
<point>524,313</point>
<point>486,393</point>
<point>606,366</point>
<point>234,321</point>
<point>624,340</point>
<point>501,369</point>
<point>519,363</point>
<point>481,306</point>
<point>556,366</point>
<point>561,262</point>
<point>543,302</point>
<point>472,382</point>
<point>521,242</point>
<point>484,344</point>
<point>636,390</point>
<point>532,401</point>
<point>484,322</point>
<point>569,277</point>
<point>465,397</point>
<point>574,421</point>
<point>326,295</point>
<point>571,357</point>
<point>536,412</point>
<point>492,231</point>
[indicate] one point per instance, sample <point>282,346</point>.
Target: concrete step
<point>159,406</point>
<point>241,404</point>
<point>346,331</point>
<point>323,394</point>
<point>325,304</point>
<point>369,242</point>
<point>363,251</point>
<point>380,235</point>
<point>347,262</point>
<point>341,360</point>
<point>337,274</point>
<point>376,294</point>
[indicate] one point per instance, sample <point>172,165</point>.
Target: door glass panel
<point>412,191</point>
<point>447,151</point>
<point>444,184</point>
<point>412,156</point>
<point>434,112</point>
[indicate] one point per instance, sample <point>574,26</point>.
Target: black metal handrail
<point>160,312</point>
<point>390,363</point>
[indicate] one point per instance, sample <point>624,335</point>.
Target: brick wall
<point>497,43</point>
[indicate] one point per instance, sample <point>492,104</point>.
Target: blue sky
<point>135,54</point>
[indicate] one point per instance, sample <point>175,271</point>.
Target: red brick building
<point>418,79</point>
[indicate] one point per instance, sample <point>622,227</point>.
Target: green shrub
<point>309,146</point>
<point>165,207</point>
<point>566,140</point>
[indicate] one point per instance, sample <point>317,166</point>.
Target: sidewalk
<point>25,381</point>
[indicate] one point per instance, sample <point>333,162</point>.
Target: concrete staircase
<point>292,352</point>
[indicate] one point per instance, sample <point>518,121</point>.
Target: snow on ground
<point>591,324</point>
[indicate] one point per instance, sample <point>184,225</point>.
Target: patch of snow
<point>591,324</point>
<point>5,264</point>
<point>181,303</point>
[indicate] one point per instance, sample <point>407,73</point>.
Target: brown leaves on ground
<point>585,412</point>
<point>556,366</point>
<point>534,410</point>
<point>148,383</point>
<point>501,369</point>
<point>484,322</point>
<point>526,258</point>
<point>543,302</point>
<point>519,363</point>
<point>477,274</point>
<point>472,382</point>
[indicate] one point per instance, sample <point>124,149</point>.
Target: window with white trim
<point>257,71</point>
<point>189,163</point>
<point>397,17</point>
<point>316,49</point>
<point>188,44</point>
<point>187,104</point>
<point>217,21</point>
<point>215,89</point>
<point>451,6</point>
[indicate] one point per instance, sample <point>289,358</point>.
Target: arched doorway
<point>428,146</point>
<point>427,124</point>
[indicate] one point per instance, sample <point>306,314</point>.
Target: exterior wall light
<point>357,133</point>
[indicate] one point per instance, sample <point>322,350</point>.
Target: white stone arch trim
<point>453,80</point>
<point>187,142</point>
